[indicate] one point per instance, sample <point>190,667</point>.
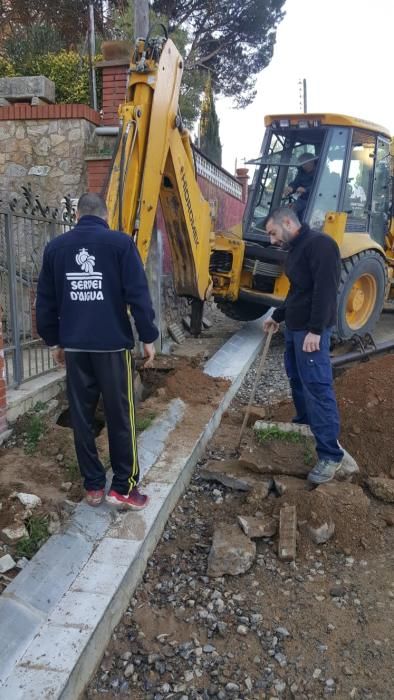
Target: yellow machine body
<point>154,163</point>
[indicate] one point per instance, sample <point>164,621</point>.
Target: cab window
<point>380,204</point>
<point>359,181</point>
<point>329,183</point>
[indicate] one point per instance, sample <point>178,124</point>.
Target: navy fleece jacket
<point>89,278</point>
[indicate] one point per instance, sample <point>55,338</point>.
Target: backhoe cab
<point>344,190</point>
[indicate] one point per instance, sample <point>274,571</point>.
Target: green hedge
<point>6,68</point>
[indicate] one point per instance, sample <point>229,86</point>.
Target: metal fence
<point>26,226</point>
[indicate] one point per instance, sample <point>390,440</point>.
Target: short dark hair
<point>92,204</point>
<point>277,216</point>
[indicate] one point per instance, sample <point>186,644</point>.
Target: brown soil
<point>193,386</point>
<point>366,403</point>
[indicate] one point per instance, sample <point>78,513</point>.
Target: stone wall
<point>47,153</point>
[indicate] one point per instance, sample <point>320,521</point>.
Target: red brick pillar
<point>242,175</point>
<point>3,386</point>
<point>114,88</point>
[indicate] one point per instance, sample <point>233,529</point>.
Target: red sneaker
<point>95,498</point>
<point>133,501</point>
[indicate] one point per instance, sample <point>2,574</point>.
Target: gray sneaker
<point>349,465</point>
<point>324,471</point>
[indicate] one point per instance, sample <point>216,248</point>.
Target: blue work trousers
<point>311,381</point>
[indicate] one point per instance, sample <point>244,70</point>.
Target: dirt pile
<point>193,386</point>
<point>366,403</point>
<point>343,503</point>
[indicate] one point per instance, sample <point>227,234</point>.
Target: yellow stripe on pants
<point>130,394</point>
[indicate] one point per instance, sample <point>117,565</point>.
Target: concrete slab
<point>19,624</point>
<point>26,87</point>
<point>51,572</point>
<point>82,610</point>
<point>43,388</point>
<point>239,352</point>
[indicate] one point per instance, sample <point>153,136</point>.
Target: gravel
<point>273,384</point>
<point>279,631</point>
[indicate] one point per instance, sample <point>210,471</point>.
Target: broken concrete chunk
<point>6,563</point>
<point>176,333</point>
<point>258,527</point>
<point>21,563</point>
<point>321,533</point>
<point>231,553</point>
<point>236,474</point>
<point>297,469</point>
<point>29,500</point>
<point>284,427</point>
<point>53,523</point>
<point>382,488</point>
<point>10,535</point>
<point>289,484</point>
<point>287,533</point>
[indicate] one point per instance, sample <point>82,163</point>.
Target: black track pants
<point>110,374</point>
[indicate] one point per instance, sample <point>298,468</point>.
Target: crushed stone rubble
<point>279,630</point>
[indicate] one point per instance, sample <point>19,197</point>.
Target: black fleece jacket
<point>313,266</point>
<point>89,278</point>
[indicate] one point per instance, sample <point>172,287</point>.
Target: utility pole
<point>92,53</point>
<point>141,18</point>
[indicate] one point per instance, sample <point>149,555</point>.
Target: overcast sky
<point>344,48</point>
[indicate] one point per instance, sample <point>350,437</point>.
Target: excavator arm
<point>154,162</point>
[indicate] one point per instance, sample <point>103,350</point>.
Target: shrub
<point>6,68</point>
<point>70,73</point>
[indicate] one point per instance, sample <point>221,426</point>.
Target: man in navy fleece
<point>90,278</point>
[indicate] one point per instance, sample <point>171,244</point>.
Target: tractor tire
<point>241,310</point>
<point>361,294</point>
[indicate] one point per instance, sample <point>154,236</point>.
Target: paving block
<point>236,355</point>
<point>287,533</point>
<point>50,573</point>
<point>79,609</point>
<point>132,526</point>
<point>106,568</point>
<point>19,624</point>
<point>152,441</point>
<point>90,523</point>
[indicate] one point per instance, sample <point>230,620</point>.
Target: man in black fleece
<point>313,267</point>
<point>90,278</point>
<point>303,182</point>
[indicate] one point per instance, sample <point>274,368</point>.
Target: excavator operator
<point>302,183</point>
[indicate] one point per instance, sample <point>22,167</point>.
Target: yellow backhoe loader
<point>349,198</point>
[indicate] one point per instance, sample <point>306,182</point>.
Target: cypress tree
<point>209,126</point>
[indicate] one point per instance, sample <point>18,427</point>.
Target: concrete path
<point>57,616</point>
